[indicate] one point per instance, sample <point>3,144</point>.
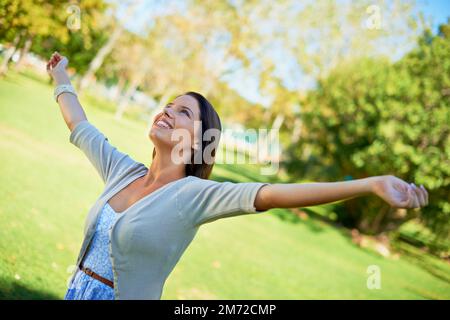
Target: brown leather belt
<point>94,275</point>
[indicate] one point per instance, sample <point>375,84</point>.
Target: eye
<point>187,113</point>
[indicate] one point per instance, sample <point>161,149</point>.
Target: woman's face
<point>176,119</point>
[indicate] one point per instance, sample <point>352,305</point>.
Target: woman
<point>145,218</point>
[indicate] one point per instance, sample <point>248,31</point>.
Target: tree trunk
<point>99,58</point>
<point>119,89</point>
<point>97,62</point>
<point>23,52</point>
<point>379,220</point>
<point>277,123</point>
<point>124,101</point>
<point>9,54</point>
<point>297,130</point>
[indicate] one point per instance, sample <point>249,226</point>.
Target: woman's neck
<point>163,170</point>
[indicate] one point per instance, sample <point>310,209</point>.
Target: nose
<point>168,112</point>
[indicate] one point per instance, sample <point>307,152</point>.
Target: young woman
<point>141,224</point>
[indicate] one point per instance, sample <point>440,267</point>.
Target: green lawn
<point>44,199</point>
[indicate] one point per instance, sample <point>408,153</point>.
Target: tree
<point>108,46</point>
<point>24,20</point>
<point>73,28</point>
<point>372,117</point>
<point>304,41</point>
<point>86,34</point>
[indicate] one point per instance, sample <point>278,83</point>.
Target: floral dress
<point>84,287</point>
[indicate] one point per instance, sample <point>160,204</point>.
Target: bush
<point>372,117</point>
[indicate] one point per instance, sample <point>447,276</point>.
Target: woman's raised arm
<point>396,192</point>
<point>71,108</point>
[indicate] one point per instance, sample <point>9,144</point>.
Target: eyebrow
<point>171,103</point>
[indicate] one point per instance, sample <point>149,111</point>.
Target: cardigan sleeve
<point>202,201</point>
<point>106,159</point>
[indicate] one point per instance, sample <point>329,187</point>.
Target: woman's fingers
<point>419,195</point>
<point>57,56</point>
<point>426,193</point>
<point>54,57</point>
<point>52,62</point>
<point>409,198</point>
<point>50,65</point>
<point>56,62</point>
<point>413,202</point>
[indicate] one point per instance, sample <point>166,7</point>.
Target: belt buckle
<point>89,272</point>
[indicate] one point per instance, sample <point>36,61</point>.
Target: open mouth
<point>163,124</point>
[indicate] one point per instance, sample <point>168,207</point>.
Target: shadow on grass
<point>423,260</point>
<point>287,215</point>
<point>14,76</point>
<point>421,294</point>
<point>410,254</point>
<point>36,77</point>
<point>11,290</point>
<point>10,78</point>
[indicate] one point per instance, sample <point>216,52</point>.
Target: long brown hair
<point>209,120</point>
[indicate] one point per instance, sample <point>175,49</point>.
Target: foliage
<point>82,44</point>
<point>31,18</point>
<point>46,24</point>
<point>371,117</point>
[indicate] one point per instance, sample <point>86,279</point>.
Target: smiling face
<point>188,123</point>
<point>180,114</point>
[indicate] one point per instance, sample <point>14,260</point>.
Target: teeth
<point>161,123</point>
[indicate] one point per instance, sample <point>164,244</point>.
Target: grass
<point>44,199</point>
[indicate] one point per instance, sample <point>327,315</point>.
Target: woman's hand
<point>56,68</point>
<point>399,194</point>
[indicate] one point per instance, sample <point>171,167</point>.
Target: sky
<point>435,12</point>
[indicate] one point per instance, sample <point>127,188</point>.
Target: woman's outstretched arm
<point>71,108</point>
<point>396,192</point>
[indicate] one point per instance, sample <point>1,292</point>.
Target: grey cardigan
<point>148,238</point>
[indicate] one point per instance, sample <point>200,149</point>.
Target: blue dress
<point>84,287</point>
